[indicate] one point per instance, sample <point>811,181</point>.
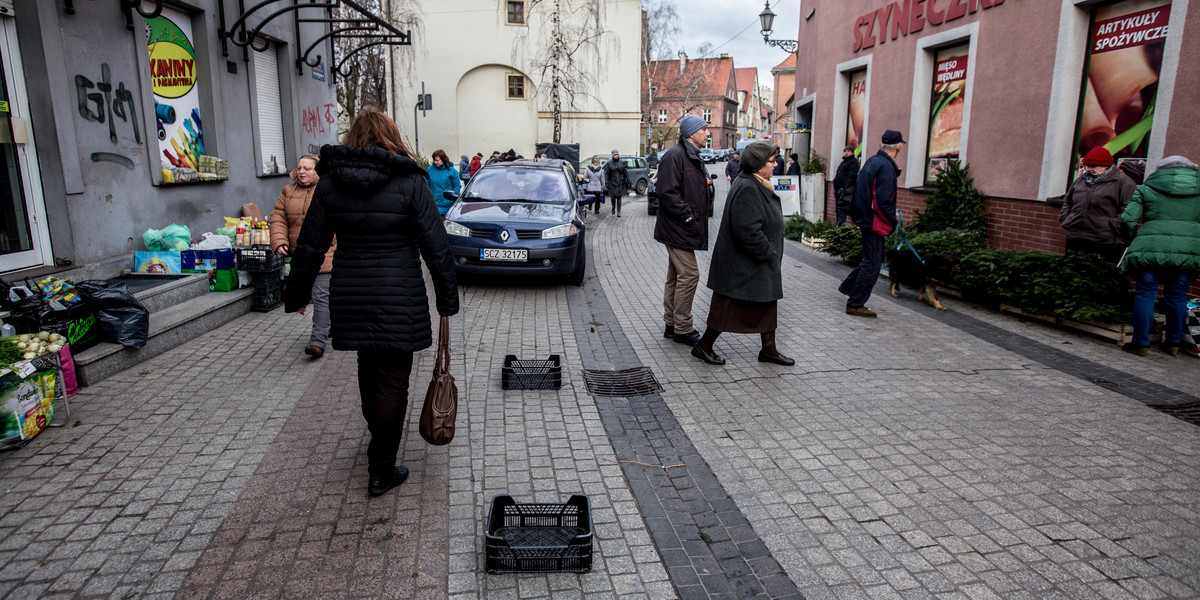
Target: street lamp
<point>767,19</point>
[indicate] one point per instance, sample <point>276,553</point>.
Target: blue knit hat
<point>691,124</point>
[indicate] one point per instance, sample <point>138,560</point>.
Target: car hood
<point>528,213</point>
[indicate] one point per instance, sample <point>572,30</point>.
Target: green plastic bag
<point>223,280</point>
<point>172,238</point>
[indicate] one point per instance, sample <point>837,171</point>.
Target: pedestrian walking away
<point>745,274</point>
<point>1165,249</point>
<point>443,177</point>
<point>286,219</point>
<point>594,183</point>
<point>682,226</point>
<point>374,198</point>
<point>843,184</point>
<point>616,180</point>
<point>464,168</point>
<point>793,165</point>
<point>733,167</point>
<point>1092,206</point>
<point>874,211</point>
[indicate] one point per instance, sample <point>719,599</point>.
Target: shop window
<point>948,102</point>
<point>1116,106</point>
<point>856,112</point>
<point>268,111</point>
<point>707,115</point>
<point>516,12</point>
<point>516,87</point>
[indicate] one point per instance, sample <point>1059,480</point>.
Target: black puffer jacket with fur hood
<point>380,208</point>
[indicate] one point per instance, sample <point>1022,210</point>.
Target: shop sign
<point>946,108</point>
<point>318,71</point>
<point>172,58</point>
<point>1116,111</point>
<point>909,16</point>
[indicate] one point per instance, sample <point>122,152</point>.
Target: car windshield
<point>518,184</point>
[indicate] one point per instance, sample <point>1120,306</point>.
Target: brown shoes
<point>314,351</point>
<point>860,311</point>
<point>1135,349</point>
<point>843,290</point>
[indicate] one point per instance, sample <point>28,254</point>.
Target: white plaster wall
<point>471,113</point>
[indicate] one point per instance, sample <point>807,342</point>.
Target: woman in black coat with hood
<point>375,199</point>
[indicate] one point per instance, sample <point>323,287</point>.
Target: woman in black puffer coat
<point>375,199</point>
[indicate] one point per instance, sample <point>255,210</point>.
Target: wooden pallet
<point>1120,333</point>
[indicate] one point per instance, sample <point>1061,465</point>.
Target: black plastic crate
<point>527,538</point>
<point>268,291</point>
<point>531,374</point>
<point>259,259</point>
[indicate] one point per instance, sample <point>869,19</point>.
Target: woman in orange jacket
<point>286,220</point>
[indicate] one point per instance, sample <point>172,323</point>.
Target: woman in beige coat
<point>286,220</point>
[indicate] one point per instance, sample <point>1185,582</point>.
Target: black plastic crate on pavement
<point>527,538</point>
<point>531,374</point>
<point>259,259</point>
<point>268,290</point>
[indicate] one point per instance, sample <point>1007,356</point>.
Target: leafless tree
<point>362,82</point>
<point>569,56</point>
<point>681,92</point>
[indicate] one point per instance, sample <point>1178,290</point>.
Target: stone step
<point>169,327</point>
<point>173,290</point>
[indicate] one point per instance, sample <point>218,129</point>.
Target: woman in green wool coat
<point>1165,249</point>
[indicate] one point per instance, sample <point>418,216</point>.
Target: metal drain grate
<point>629,382</point>
<point>1187,412</point>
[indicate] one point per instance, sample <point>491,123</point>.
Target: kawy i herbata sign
<point>910,16</point>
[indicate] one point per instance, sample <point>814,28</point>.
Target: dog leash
<point>902,234</point>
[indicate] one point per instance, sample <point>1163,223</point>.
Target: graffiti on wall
<point>106,104</point>
<point>318,119</point>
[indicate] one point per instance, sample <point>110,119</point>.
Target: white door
<point>24,237</point>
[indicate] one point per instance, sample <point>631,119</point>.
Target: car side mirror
<point>712,177</point>
<point>587,200</point>
<point>449,195</point>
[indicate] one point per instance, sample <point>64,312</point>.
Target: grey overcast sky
<point>732,27</point>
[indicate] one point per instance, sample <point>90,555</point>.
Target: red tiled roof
<point>788,63</point>
<point>709,76</point>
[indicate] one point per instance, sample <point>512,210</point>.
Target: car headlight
<point>559,231</point>
<point>456,229</point>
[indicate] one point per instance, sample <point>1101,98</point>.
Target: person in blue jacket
<point>443,177</point>
<point>874,212</point>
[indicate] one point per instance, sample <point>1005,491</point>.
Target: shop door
<point>24,238</point>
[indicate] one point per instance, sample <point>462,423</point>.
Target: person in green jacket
<point>1166,248</point>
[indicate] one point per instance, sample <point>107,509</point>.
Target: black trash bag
<point>123,319</point>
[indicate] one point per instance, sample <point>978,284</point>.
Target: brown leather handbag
<point>441,399</point>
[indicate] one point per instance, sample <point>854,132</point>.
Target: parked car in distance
<point>638,167</point>
<point>520,218</point>
<point>708,155</point>
<point>652,196</point>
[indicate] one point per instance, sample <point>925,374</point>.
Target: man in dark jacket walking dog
<point>843,183</point>
<point>682,225</point>
<point>874,211</point>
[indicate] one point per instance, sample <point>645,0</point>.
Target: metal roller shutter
<point>269,110</point>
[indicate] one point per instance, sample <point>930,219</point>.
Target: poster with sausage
<point>857,114</point>
<point>946,107</point>
<point>1124,60</point>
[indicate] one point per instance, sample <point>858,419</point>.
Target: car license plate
<point>504,254</point>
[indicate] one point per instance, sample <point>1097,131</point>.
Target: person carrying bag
<point>441,399</point>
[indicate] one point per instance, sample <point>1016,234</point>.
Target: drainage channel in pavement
<point>1169,400</point>
<point>707,545</point>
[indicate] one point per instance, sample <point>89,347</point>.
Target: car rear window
<point>518,183</point>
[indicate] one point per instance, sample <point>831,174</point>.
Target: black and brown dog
<point>905,267</point>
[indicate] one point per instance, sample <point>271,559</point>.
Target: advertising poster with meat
<point>857,114</point>
<point>946,109</point>
<point>176,84</point>
<point>1124,60</point>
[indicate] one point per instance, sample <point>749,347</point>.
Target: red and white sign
<point>1137,29</point>
<point>951,69</point>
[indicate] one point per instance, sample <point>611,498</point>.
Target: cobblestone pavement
<point>950,455</point>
